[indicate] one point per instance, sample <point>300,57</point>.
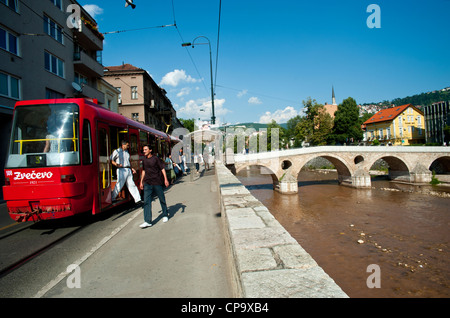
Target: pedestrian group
<point>154,176</point>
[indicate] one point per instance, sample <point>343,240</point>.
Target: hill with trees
<point>422,99</point>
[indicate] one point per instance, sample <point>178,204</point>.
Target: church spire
<point>332,95</point>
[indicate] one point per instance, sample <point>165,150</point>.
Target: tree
<point>290,131</point>
<point>322,129</point>
<point>188,124</point>
<point>316,125</point>
<point>347,127</point>
<point>272,134</point>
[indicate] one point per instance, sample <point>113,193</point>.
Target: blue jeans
<point>148,191</point>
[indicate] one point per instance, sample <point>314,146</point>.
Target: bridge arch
<point>344,172</point>
<point>266,170</point>
<point>440,165</point>
<point>398,168</point>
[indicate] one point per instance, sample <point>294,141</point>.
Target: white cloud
<point>176,77</point>
<point>280,115</point>
<point>184,91</point>
<point>93,10</point>
<point>201,108</point>
<point>254,100</point>
<point>242,93</point>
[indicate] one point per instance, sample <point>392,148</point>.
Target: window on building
<point>9,86</point>
<point>99,56</point>
<point>135,116</point>
<point>54,64</point>
<point>9,41</point>
<point>51,94</point>
<point>119,97</point>
<point>12,4</point>
<point>53,29</point>
<point>57,3</point>
<point>80,79</point>
<point>134,94</point>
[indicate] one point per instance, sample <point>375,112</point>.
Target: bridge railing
<point>337,149</point>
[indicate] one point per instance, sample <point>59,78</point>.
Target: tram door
<point>104,171</point>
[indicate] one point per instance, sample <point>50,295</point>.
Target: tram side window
<point>153,145</point>
<point>133,144</point>
<point>103,151</point>
<point>87,143</point>
<point>143,140</point>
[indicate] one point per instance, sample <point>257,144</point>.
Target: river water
<point>401,228</point>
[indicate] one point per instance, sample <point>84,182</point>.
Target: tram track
<point>21,246</point>
<point>13,252</point>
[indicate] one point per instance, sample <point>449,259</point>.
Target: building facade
<point>46,52</point>
<point>140,98</point>
<point>401,125</point>
<point>437,117</point>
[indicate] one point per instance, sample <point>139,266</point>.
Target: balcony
<point>91,92</point>
<point>86,65</point>
<point>89,37</point>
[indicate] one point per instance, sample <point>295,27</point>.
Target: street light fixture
<point>213,117</point>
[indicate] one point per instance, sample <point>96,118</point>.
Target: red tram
<point>58,163</point>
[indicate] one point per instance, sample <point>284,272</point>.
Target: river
<point>401,228</point>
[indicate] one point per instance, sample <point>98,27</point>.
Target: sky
<point>270,56</point>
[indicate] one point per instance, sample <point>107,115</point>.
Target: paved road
<point>185,257</point>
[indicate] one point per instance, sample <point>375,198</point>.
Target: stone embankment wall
<point>266,260</point>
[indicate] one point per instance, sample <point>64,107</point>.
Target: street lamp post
<point>213,117</point>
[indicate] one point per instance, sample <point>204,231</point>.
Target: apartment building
<point>437,117</point>
<point>401,125</point>
<point>140,98</point>
<point>46,52</point>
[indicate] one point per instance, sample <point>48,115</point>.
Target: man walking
<point>153,178</point>
<point>121,159</point>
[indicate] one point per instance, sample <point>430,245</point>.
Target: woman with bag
<point>169,169</point>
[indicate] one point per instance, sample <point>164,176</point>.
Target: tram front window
<point>44,135</point>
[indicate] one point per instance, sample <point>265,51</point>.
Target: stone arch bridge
<point>406,164</point>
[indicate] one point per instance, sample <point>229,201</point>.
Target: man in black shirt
<point>153,178</point>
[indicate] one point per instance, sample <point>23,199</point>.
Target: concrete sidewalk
<point>185,257</point>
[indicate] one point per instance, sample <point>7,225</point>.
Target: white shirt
<point>122,157</point>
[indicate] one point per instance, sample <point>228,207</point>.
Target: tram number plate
<point>36,160</point>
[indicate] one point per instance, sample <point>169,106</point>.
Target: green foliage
<point>274,134</point>
<point>315,127</point>
<point>347,127</point>
<point>434,180</point>
<point>422,99</point>
<point>188,124</point>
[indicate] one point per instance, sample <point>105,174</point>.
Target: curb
<point>267,262</point>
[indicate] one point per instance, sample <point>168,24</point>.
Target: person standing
<point>121,159</point>
<point>153,177</point>
<point>169,169</point>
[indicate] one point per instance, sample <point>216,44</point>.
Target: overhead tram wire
<point>140,29</point>
<point>182,41</point>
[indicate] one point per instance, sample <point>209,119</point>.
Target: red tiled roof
<point>123,67</point>
<point>388,114</point>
